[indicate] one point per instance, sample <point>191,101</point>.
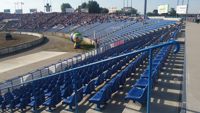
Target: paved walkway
<point>11,68</point>
<point>14,65</point>
<point>193,67</point>
<point>11,64</point>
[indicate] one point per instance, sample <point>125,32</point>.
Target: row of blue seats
<point>138,93</point>
<point>135,30</point>
<point>102,96</point>
<point>47,86</point>
<point>102,78</point>
<point>46,91</point>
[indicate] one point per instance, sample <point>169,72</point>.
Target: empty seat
<point>71,100</point>
<point>137,94</point>
<point>142,82</point>
<point>89,88</point>
<point>53,101</point>
<point>99,80</point>
<point>114,84</point>
<point>37,101</point>
<point>67,91</point>
<point>13,103</point>
<point>102,96</point>
<point>23,103</point>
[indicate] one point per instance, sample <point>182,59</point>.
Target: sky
<point>194,6</point>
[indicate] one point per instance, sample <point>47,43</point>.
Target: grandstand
<point>111,77</point>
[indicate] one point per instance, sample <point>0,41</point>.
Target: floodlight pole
<point>145,9</point>
<point>177,2</point>
<point>131,3</point>
<point>123,4</point>
<point>176,6</point>
<point>188,2</point>
<point>182,2</point>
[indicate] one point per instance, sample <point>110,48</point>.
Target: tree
<point>150,14</point>
<point>133,11</point>
<point>84,5</point>
<point>172,12</point>
<point>104,10</point>
<point>155,12</point>
<point>64,6</point>
<point>93,7</point>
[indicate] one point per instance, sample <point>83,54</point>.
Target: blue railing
<point>149,49</point>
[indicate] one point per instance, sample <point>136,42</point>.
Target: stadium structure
<point>136,66</point>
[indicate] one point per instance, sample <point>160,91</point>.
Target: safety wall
<point>165,18</point>
<point>20,47</point>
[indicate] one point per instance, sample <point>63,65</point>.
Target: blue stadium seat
<point>53,101</point>
<point>13,103</point>
<point>37,101</point>
<point>114,84</point>
<point>71,100</point>
<point>89,88</point>
<point>142,82</point>
<point>122,77</point>
<point>99,80</point>
<point>67,91</point>
<point>102,96</point>
<point>23,103</point>
<point>137,94</point>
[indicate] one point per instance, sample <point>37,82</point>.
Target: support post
<point>149,82</point>
<point>182,2</point>
<point>75,90</point>
<point>145,9</point>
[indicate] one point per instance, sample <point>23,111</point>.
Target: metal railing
<point>49,70</point>
<point>149,49</point>
<point>53,68</point>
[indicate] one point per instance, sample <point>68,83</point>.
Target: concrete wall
<point>165,18</point>
<point>20,47</point>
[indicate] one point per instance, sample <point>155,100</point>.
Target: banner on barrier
<point>118,43</point>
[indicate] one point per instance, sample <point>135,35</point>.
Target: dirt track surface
<point>55,44</point>
<point>17,40</point>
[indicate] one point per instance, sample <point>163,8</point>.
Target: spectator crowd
<point>45,21</point>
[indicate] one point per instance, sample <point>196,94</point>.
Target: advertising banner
<point>163,9</point>
<point>181,9</point>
